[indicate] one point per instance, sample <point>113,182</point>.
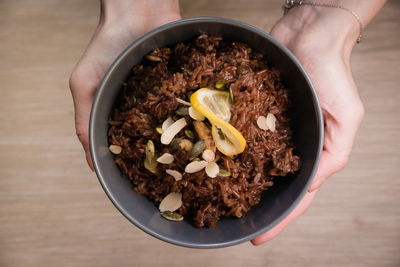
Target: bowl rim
<point>234,23</point>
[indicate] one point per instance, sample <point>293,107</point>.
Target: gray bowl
<point>276,203</point>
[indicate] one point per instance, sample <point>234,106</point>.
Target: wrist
<point>323,27</point>
<point>142,11</point>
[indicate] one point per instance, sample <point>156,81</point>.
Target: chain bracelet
<point>291,3</point>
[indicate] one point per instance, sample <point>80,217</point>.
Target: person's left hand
<point>325,55</point>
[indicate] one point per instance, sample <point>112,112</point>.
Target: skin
<point>321,38</point>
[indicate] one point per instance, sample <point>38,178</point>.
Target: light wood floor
<point>53,211</point>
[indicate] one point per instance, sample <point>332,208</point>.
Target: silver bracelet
<point>291,3</point>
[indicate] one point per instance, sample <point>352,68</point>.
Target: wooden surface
<point>53,211</point>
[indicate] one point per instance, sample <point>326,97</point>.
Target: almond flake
<point>270,121</point>
<point>171,202</point>
<point>208,155</point>
<point>177,175</point>
<point>183,102</point>
<point>172,130</point>
<point>262,123</point>
<point>115,149</point>
<point>195,166</point>
<point>168,122</point>
<point>195,115</point>
<point>166,158</point>
<point>212,169</point>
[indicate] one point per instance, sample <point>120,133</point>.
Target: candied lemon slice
<point>215,106</point>
<point>216,101</point>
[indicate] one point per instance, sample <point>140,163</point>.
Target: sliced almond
<point>262,123</point>
<point>270,121</point>
<point>194,114</point>
<point>195,166</point>
<point>115,149</point>
<point>208,155</point>
<point>166,158</point>
<point>172,130</point>
<point>177,175</point>
<point>212,169</point>
<point>171,202</point>
<point>183,102</point>
<point>168,122</point>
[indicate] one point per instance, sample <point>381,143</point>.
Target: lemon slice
<point>215,106</point>
<point>216,101</point>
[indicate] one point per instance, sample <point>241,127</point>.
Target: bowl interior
<point>276,202</point>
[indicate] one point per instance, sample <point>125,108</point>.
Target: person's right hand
<point>121,22</point>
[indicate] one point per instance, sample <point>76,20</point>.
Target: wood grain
<point>53,211</point>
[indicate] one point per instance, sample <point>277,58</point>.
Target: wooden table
<point>53,211</point>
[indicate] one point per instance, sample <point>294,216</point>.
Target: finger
<point>83,94</point>
<point>339,138</point>
<point>300,209</point>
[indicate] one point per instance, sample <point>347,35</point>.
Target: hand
<point>121,22</point>
<point>325,54</point>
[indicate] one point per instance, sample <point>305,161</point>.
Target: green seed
<point>197,148</point>
<point>196,159</point>
<point>159,130</point>
<point>223,172</point>
<point>133,101</point>
<point>172,216</point>
<point>182,111</point>
<point>132,83</point>
<point>231,97</point>
<point>189,134</point>
<point>175,143</point>
<point>150,162</point>
<point>219,84</point>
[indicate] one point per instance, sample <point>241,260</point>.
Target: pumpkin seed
<point>219,84</point>
<point>182,111</point>
<point>231,98</point>
<point>175,143</point>
<point>150,162</point>
<point>159,130</point>
<point>224,173</point>
<point>132,83</point>
<point>133,100</point>
<point>197,148</point>
<point>189,134</point>
<point>172,216</point>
